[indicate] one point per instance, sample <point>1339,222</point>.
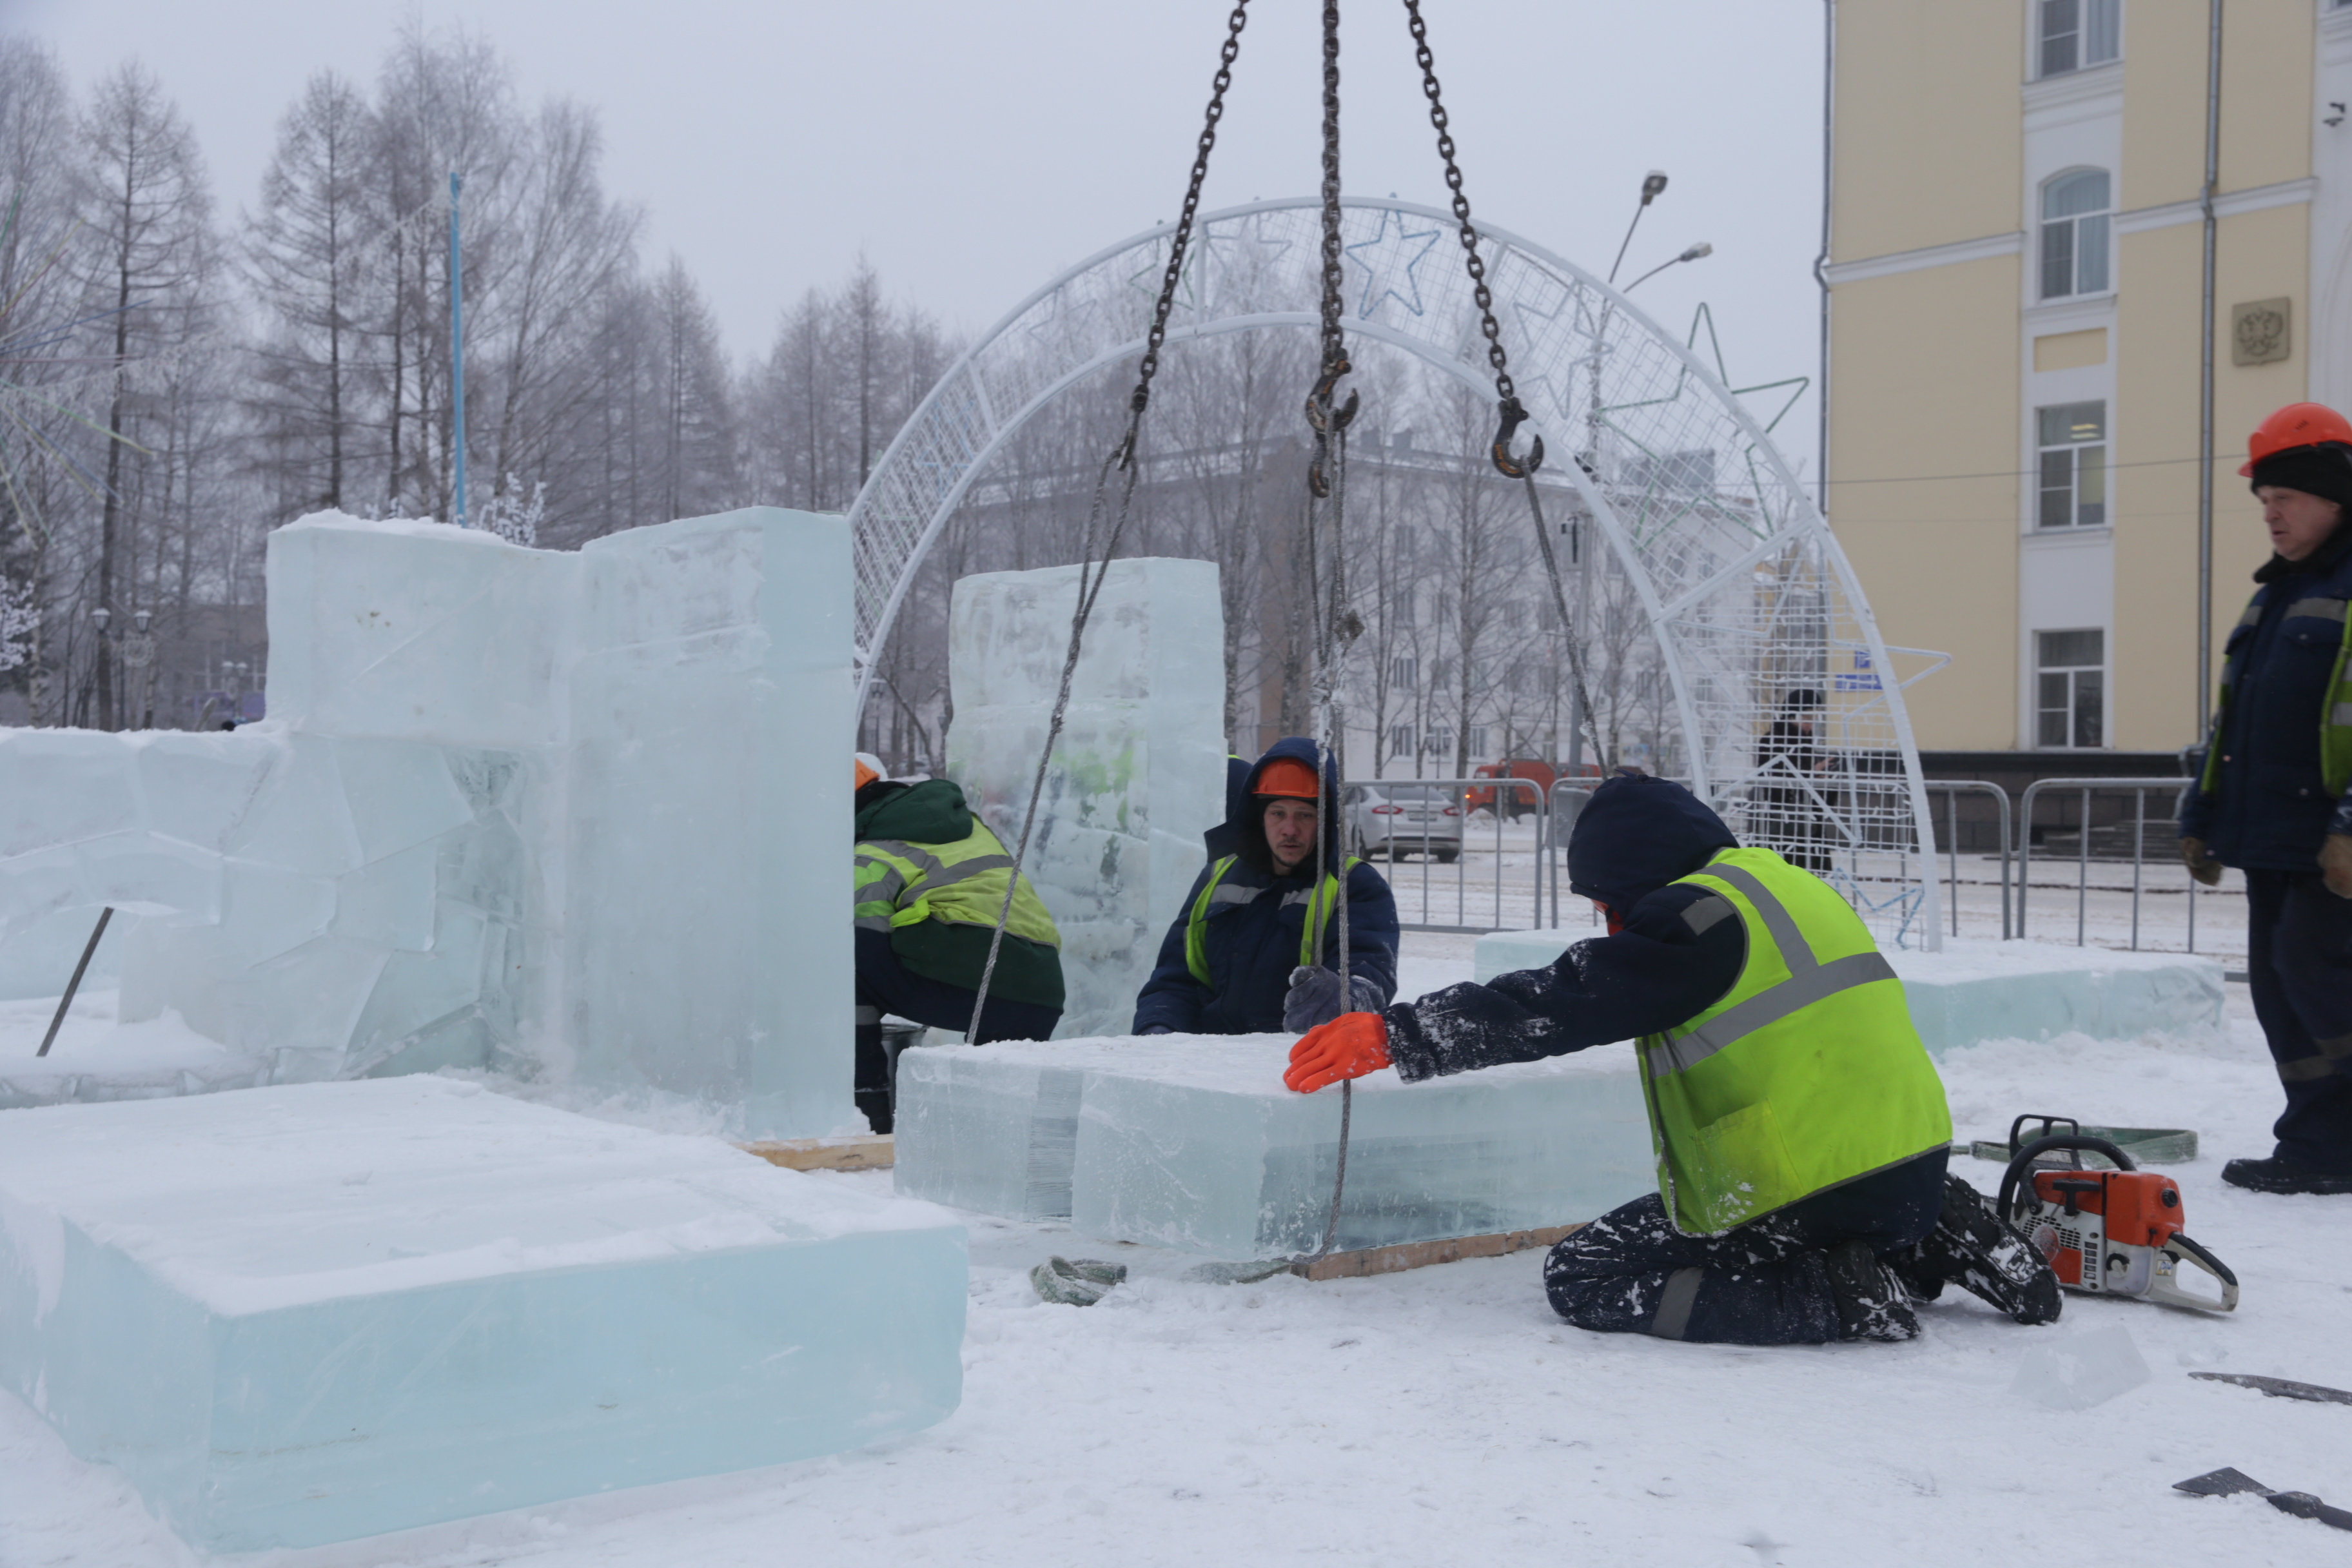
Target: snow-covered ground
<point>1446,1416</point>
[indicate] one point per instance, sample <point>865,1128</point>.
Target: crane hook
<point>1514,467</point>
<point>1323,419</point>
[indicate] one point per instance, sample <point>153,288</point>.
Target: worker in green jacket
<point>930,880</point>
<point>1799,1127</point>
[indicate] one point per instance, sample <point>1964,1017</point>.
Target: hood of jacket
<point>1246,814</point>
<point>1635,836</point>
<point>933,812</point>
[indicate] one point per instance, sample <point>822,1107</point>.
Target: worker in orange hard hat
<point>1255,946</point>
<point>2274,798</point>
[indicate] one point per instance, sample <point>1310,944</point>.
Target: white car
<point>1399,819</point>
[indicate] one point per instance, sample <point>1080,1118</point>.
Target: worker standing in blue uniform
<point>2274,794</point>
<point>1255,947</point>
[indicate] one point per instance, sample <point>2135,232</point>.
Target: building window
<point>2070,669</point>
<point>1477,740</point>
<point>2074,233</point>
<point>1401,608</point>
<point>2079,33</point>
<point>2073,438</point>
<point>1400,740</point>
<point>1404,672</point>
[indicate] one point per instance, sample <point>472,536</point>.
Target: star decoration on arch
<point>1391,263</point>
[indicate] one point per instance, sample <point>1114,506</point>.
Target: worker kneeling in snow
<point>930,881</point>
<point>1253,947</point>
<point>1800,1129</point>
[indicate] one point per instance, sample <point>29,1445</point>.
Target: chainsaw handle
<point>2180,1249</point>
<point>2022,1161</point>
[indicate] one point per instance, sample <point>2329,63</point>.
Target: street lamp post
<point>139,663</point>
<point>100,618</point>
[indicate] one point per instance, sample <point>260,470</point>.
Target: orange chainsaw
<point>2105,1233</point>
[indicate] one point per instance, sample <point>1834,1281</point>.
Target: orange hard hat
<point>1288,775</point>
<point>2296,424</point>
<point>869,768</point>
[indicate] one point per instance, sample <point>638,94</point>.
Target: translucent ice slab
<point>1138,774</point>
<point>1993,990</point>
<point>300,1315</point>
<point>707,942</point>
<point>1191,1142</point>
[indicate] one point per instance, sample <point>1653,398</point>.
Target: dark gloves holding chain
<point>1316,997</point>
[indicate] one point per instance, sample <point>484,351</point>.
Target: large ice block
<point>418,631</point>
<point>1138,772</point>
<point>1977,990</point>
<point>300,1315</point>
<point>1193,1142</point>
<point>706,935</point>
<point>555,813</point>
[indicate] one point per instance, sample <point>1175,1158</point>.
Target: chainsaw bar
<point>2279,1387</point>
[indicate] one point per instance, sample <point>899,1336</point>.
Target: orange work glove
<point>1349,1046</point>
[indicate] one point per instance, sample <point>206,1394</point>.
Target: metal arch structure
<point>1751,602</point>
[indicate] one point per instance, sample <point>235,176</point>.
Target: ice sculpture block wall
<point>708,940</point>
<point>1193,1142</point>
<point>1138,775</point>
<point>515,808</point>
<point>1977,990</point>
<point>300,1315</point>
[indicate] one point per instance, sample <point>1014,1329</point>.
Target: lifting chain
<point>1506,397</point>
<point>1321,416</point>
<point>1179,243</point>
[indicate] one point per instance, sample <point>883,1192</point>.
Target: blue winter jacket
<point>1631,842</point>
<point>2271,807</point>
<point>1252,943</point>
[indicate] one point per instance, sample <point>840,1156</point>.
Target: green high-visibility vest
<point>1320,905</point>
<point>2335,704</point>
<point>1806,1074</point>
<point>901,884</point>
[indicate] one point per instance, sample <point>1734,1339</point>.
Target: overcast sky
<point>973,149</point>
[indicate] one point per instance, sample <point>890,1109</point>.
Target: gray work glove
<point>1316,997</point>
<point>2201,865</point>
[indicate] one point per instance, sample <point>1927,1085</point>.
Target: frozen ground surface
<point>1446,1416</point>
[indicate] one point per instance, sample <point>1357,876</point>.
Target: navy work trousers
<point>1632,1273</point>
<point>883,982</point>
<point>2299,967</point>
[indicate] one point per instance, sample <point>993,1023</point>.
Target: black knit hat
<point>2325,471</point>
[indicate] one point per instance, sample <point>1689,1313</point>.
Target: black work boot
<point>2277,1175</point>
<point>872,1070</point>
<point>1872,1303</point>
<point>1973,1248</point>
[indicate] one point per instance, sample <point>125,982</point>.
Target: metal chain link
<point>1179,243</point>
<point>1320,415</point>
<point>1513,413</point>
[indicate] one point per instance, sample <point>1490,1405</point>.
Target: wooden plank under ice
<point>866,1153</point>
<point>1422,1253</point>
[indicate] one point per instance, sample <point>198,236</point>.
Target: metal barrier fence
<point>2085,830</point>
<point>1370,834</point>
<point>1951,790</point>
<point>1449,887</point>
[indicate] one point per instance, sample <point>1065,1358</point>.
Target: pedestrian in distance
<point>2273,794</point>
<point>1800,1128</point>
<point>1792,798</point>
<point>930,880</point>
<point>1255,947</point>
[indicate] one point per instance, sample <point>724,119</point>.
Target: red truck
<point>1519,802</point>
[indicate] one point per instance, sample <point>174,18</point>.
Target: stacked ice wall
<point>512,803</point>
<point>1138,775</point>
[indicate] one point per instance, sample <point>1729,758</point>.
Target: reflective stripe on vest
<point>903,884</point>
<point>1310,936</point>
<point>1806,1073</point>
<point>2335,704</point>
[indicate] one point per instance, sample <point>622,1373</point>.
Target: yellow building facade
<point>2016,280</point>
